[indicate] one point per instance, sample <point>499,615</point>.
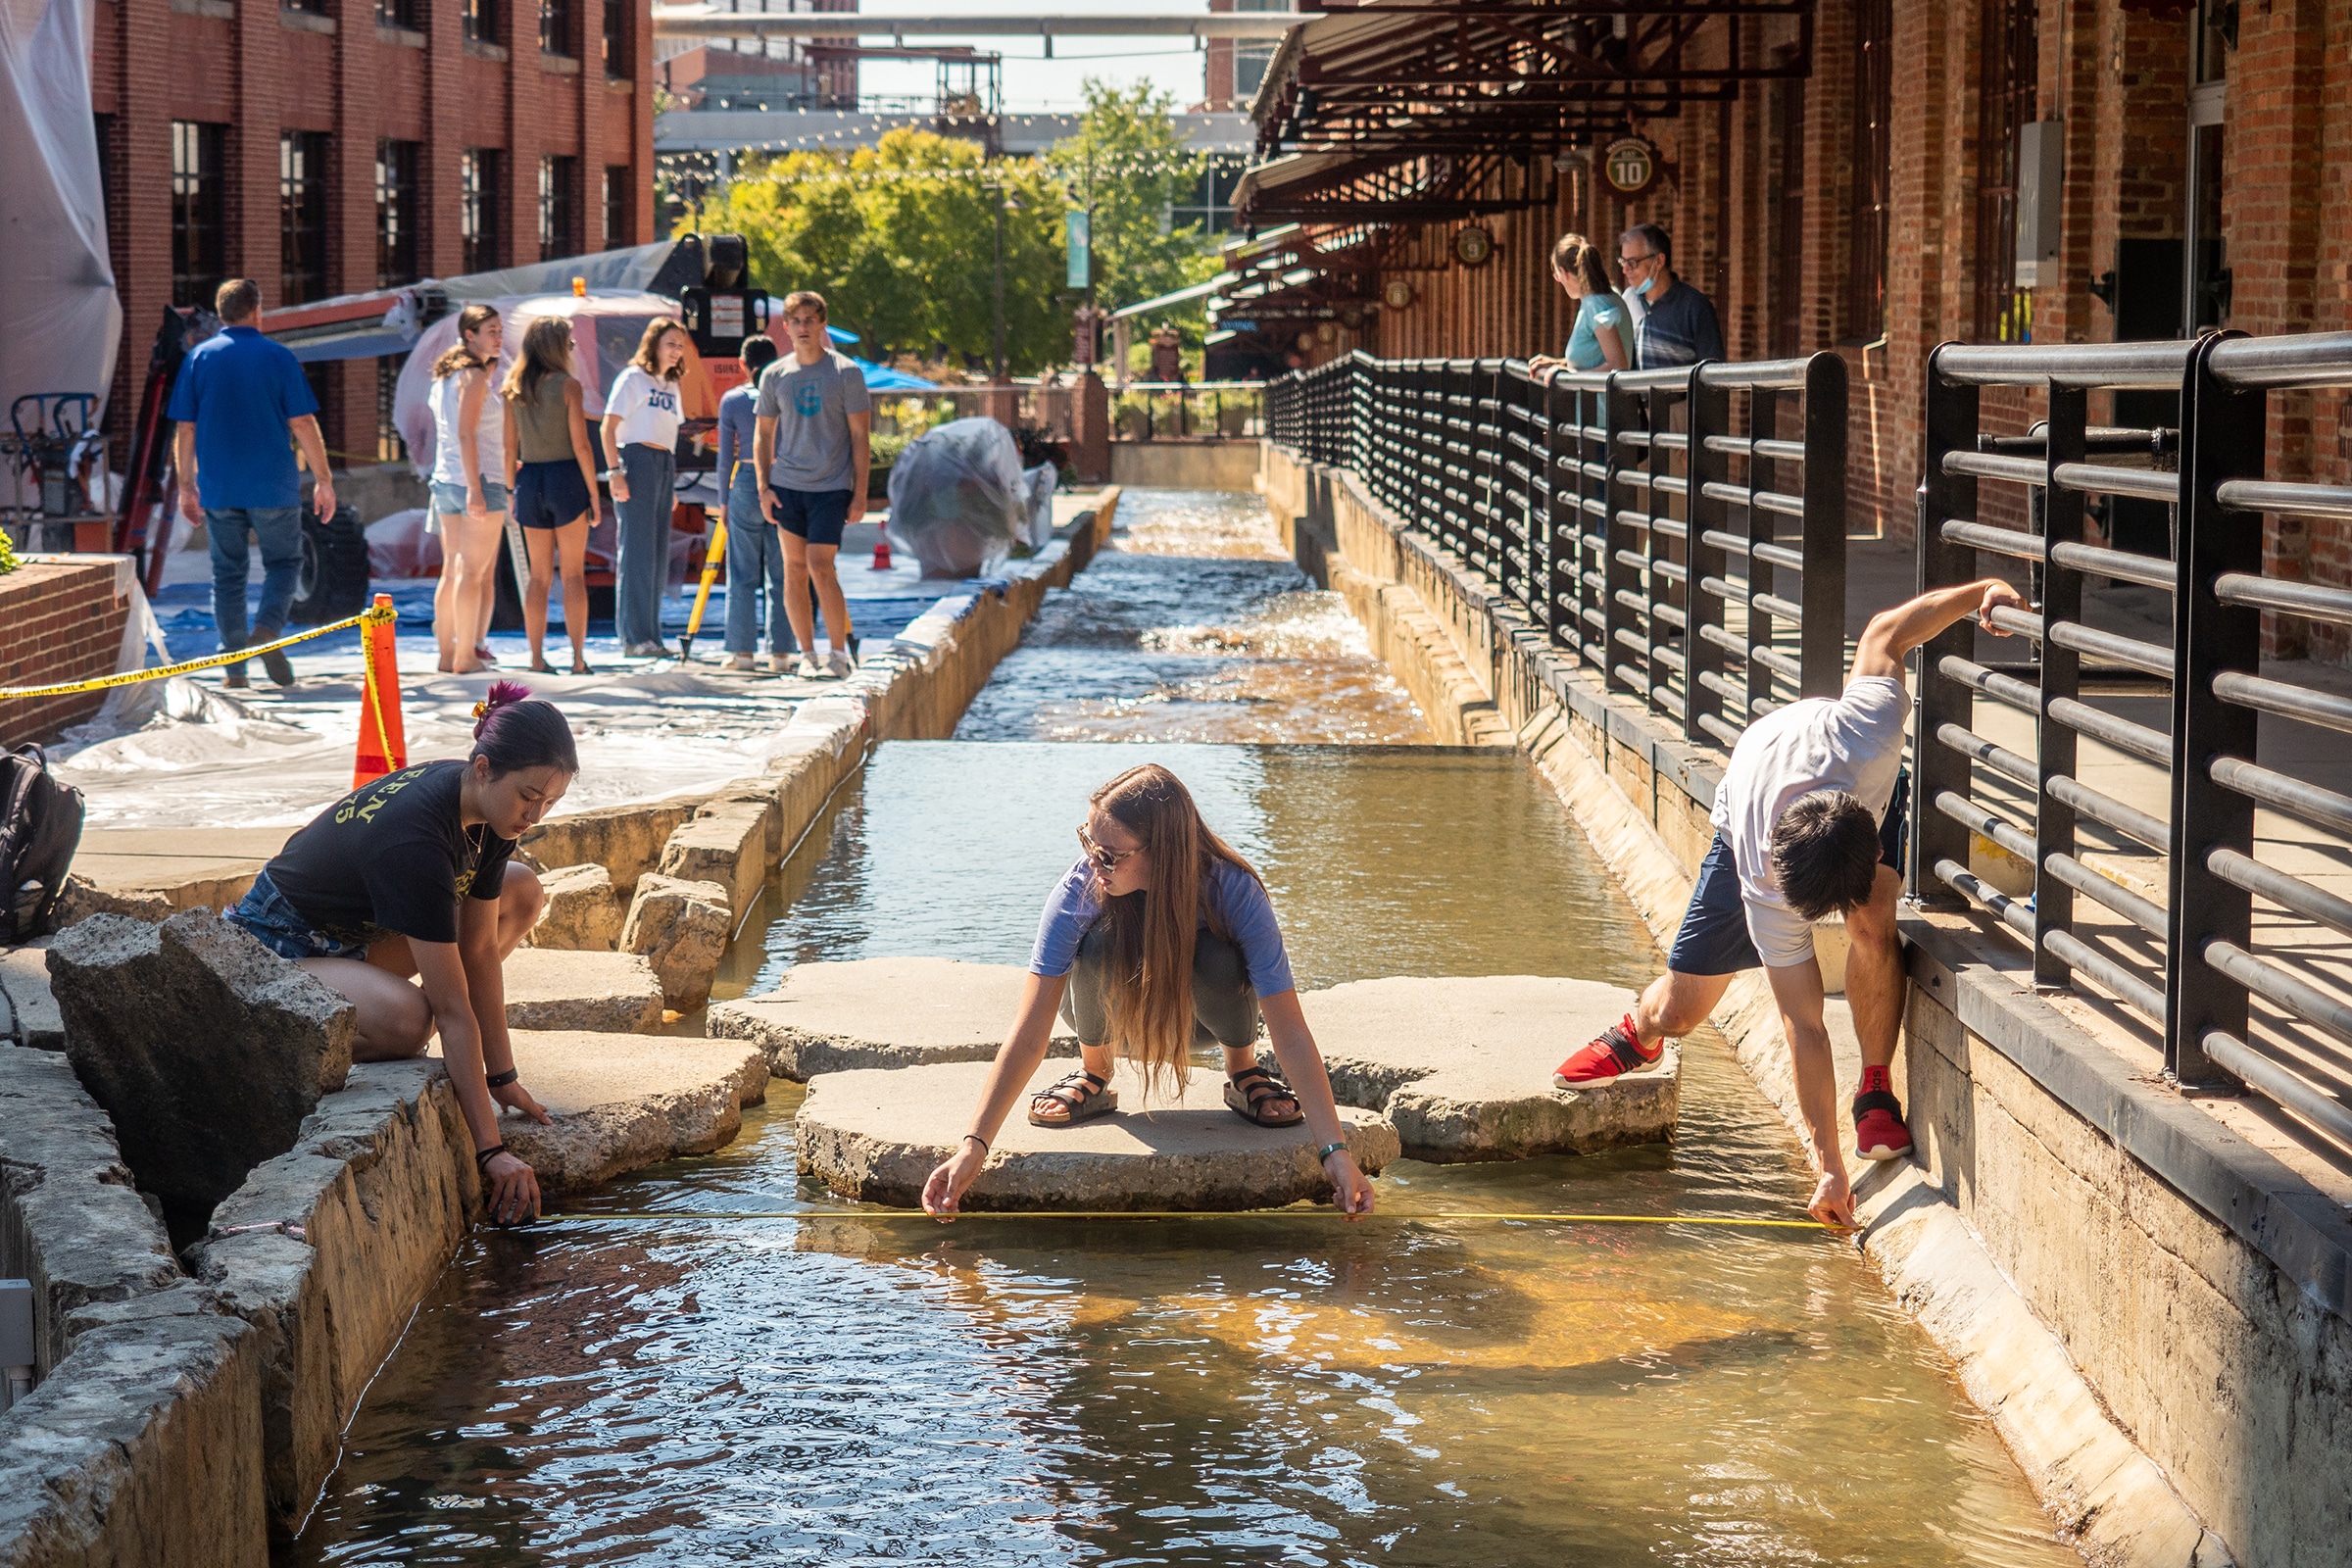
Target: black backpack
<point>40,827</point>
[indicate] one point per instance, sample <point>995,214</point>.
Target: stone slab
<point>880,1012</point>
<point>25,990</point>
<point>1462,1068</point>
<point>875,1136</point>
<point>725,843</point>
<point>583,910</point>
<point>683,930</point>
<point>624,1101</point>
<point>600,992</point>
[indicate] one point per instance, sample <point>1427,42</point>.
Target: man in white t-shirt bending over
<point>1809,823</point>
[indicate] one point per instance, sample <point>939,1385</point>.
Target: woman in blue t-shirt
<point>1150,961</point>
<point>1603,336</point>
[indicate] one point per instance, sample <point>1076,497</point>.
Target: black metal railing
<point>2193,964</point>
<point>1681,532</point>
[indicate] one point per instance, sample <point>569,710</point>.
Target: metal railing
<point>1648,522</point>
<point>2191,964</point>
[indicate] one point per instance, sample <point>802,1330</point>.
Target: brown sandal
<point>1246,1091</point>
<point>1086,1095</point>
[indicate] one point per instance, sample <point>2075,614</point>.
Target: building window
<point>308,8</point>
<point>616,37</point>
<point>616,203</point>
<point>1209,203</point>
<point>559,207</point>
<point>2007,100</point>
<point>1873,171</point>
<point>555,28</point>
<point>199,208</point>
<point>301,217</point>
<point>389,447</point>
<point>477,208</point>
<point>481,21</point>
<point>396,212</point>
<point>400,13</point>
<point>1251,59</point>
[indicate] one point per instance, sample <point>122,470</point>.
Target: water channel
<point>845,1388</point>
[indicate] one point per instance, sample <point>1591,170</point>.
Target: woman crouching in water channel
<point>1159,935</point>
<point>413,875</point>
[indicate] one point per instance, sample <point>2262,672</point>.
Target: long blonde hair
<point>459,356</point>
<point>546,352</point>
<point>1148,936</point>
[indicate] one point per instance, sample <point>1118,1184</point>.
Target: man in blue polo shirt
<point>1675,323</point>
<point>238,399</point>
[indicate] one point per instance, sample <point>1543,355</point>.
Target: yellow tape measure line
<point>133,678</point>
<point>861,1215</point>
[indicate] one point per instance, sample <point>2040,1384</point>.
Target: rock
<point>583,910</point>
<point>880,1012</point>
<point>601,993</point>
<point>1463,1067</point>
<point>875,1136</point>
<point>727,843</point>
<point>682,928</point>
<point>207,1049</point>
<point>623,1101</point>
<point>626,840</point>
<point>25,995</point>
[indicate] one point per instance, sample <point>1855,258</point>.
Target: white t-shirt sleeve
<point>1871,716</point>
<point>630,388</point>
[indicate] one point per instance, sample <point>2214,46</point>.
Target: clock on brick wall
<point>1630,165</point>
<point>1472,245</point>
<point>1398,295</point>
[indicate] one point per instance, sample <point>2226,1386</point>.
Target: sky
<point>1034,84</point>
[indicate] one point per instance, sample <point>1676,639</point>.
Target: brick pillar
<point>1090,423</point>
<point>1001,401</point>
<point>252,154</point>
<point>441,247</point>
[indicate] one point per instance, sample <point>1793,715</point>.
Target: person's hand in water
<point>947,1184</point>
<point>517,1098</point>
<point>514,1190</point>
<point>1352,1189</point>
<point>1833,1200</point>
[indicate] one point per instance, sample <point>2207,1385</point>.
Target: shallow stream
<point>843,1387</point>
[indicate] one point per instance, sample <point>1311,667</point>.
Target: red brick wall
<point>57,622</point>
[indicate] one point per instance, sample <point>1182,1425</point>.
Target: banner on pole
<point>1078,239</point>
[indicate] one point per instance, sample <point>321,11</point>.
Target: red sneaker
<point>1617,1051</point>
<point>1879,1130</point>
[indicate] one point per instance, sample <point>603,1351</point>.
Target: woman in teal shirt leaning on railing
<point>1604,334</point>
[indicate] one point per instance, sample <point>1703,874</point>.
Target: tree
<point>1128,165</point>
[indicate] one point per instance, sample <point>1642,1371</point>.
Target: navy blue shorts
<point>817,516</point>
<point>1714,939</point>
<point>551,495</point>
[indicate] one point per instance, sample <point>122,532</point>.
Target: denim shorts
<point>1714,939</point>
<point>278,926</point>
<point>449,500</point>
<point>817,516</point>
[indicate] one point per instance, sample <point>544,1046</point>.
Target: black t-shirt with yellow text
<point>391,858</point>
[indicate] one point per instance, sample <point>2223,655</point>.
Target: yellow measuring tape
<point>133,677</point>
<point>862,1215</point>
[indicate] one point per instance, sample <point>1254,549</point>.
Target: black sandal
<point>1246,1091</point>
<point>1086,1095</point>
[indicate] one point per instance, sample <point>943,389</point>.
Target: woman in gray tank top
<point>554,482</point>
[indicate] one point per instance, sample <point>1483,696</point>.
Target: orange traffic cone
<point>383,749</point>
<point>882,552</point>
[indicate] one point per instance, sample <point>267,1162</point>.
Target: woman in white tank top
<point>469,488</point>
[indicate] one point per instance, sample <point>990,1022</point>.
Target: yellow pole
<point>702,597</point>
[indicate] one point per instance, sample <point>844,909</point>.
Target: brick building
<point>327,147</point>
<point>1865,199</point>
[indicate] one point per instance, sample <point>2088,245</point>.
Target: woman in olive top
<point>414,875</point>
<point>554,482</point>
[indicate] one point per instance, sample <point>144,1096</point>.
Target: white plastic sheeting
<point>59,315</point>
<point>959,498</point>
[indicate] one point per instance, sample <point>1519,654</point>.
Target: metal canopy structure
<point>712,21</point>
<point>1394,187</point>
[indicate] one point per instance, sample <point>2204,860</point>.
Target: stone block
<point>880,1012</point>
<point>1462,1068</point>
<point>584,911</point>
<point>26,998</point>
<point>726,844</point>
<point>624,1101</point>
<point>875,1136</point>
<point>626,840</point>
<point>603,993</point>
<point>207,1049</point>
<point>681,928</point>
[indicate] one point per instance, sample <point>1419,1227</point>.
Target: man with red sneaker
<point>1810,821</point>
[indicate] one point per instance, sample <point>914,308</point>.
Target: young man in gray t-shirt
<point>1809,823</point>
<point>811,440</point>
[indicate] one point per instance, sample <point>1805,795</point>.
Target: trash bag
<point>1042,480</point>
<point>958,499</point>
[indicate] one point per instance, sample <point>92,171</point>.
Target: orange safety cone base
<point>882,554</point>
<point>383,746</point>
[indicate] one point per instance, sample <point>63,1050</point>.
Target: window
<point>617,18</point>
<point>1251,59</point>
<point>389,447</point>
<point>397,14</point>
<point>481,21</point>
<point>308,8</point>
<point>1873,171</point>
<point>559,207</point>
<point>396,212</point>
<point>555,28</point>
<point>199,208</point>
<point>300,216</point>
<point>1786,317</point>
<point>2007,99</point>
<point>477,209</point>
<point>616,205</point>
<point>1209,203</point>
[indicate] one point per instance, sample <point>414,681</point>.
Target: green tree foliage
<point>1128,164</point>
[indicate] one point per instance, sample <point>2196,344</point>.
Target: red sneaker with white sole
<point>1616,1052</point>
<point>1879,1130</point>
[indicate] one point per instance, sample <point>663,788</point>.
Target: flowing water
<point>844,1387</point>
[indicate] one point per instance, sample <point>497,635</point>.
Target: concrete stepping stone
<point>1462,1068</point>
<point>28,1011</point>
<point>599,993</point>
<point>624,1101</point>
<point>873,1136</point>
<point>881,1012</point>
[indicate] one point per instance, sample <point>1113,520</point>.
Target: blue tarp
<point>881,378</point>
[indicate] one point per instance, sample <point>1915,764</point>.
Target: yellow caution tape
<point>862,1215</point>
<point>372,615</point>
<point>133,677</point>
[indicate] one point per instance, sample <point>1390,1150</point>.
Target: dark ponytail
<point>510,732</point>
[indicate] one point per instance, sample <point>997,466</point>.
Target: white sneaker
<point>777,663</point>
<point>810,670</point>
<point>739,661</point>
<point>647,651</point>
<point>837,663</point>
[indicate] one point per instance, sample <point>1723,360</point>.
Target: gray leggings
<point>1224,1006</point>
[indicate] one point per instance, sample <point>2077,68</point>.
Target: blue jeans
<point>280,532</point>
<point>754,557</point>
<point>643,570</point>
<point>277,925</point>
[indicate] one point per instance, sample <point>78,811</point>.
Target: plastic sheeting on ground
<point>960,501</point>
<point>58,314</point>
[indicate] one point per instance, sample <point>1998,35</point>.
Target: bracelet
<point>1329,1149</point>
<point>483,1156</point>
<point>500,1080</point>
<point>977,1139</point>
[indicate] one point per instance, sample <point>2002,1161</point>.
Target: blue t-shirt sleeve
<point>183,409</point>
<point>1606,312</point>
<point>293,387</point>
<point>1071,908</point>
<point>729,407</point>
<point>1248,916</point>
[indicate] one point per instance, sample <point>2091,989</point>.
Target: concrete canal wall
<point>191,1409</point>
<point>2151,1311</point>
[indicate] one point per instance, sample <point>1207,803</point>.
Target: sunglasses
<point>1100,858</point>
